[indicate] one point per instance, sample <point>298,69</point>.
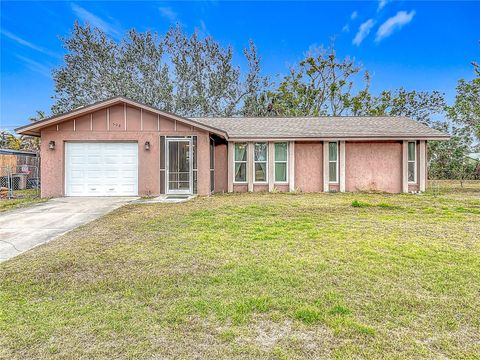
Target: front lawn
<point>275,276</point>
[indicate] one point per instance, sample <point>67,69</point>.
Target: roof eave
<point>335,138</point>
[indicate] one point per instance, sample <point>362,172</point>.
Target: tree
<point>91,72</point>
<point>183,74</point>
<point>32,143</point>
<point>9,141</point>
<point>321,84</point>
<point>466,109</point>
<point>205,79</point>
<point>421,106</point>
<point>22,142</point>
<point>448,159</point>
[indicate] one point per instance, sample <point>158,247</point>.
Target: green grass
<point>275,276</point>
<point>22,198</point>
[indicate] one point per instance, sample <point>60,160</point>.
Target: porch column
<point>405,166</point>
<point>342,166</point>
<point>250,166</point>
<point>325,167</point>
<point>423,167</point>
<point>230,165</point>
<point>291,166</point>
<point>271,166</point>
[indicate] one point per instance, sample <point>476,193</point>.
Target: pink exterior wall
<point>308,166</point>
<point>80,129</point>
<point>260,188</point>
<point>203,164</point>
<point>281,187</point>
<point>221,168</point>
<point>240,188</point>
<point>373,166</point>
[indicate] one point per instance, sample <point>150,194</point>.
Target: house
<point>122,147</point>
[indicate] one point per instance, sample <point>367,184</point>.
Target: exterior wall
<point>281,188</point>
<point>120,123</point>
<point>221,168</point>
<point>260,188</point>
<point>240,188</point>
<point>203,164</point>
<point>309,166</point>
<point>374,166</point>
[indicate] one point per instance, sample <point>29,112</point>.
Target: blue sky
<point>418,45</point>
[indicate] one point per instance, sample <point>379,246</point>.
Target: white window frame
<point>333,161</point>
<point>260,162</point>
<point>240,162</point>
<point>212,140</point>
<point>280,162</point>
<point>414,161</point>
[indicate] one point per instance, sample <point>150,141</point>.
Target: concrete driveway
<point>25,228</point>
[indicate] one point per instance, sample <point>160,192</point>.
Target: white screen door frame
<point>179,172</point>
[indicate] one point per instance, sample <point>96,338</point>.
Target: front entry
<point>179,166</point>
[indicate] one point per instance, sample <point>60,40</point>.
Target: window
<point>240,161</point>
<point>212,165</point>
<point>260,162</point>
<point>412,162</point>
<point>332,162</point>
<point>281,159</point>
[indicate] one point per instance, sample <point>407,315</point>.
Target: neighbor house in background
<point>121,147</point>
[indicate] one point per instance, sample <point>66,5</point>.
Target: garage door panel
<point>101,169</point>
<point>93,159</point>
<point>77,188</point>
<point>93,174</point>
<point>127,187</point>
<point>78,160</point>
<point>129,160</point>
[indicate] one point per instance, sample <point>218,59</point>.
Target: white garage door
<point>101,169</point>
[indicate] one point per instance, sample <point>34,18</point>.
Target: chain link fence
<point>21,180</point>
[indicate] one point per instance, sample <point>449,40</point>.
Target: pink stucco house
<point>120,147</point>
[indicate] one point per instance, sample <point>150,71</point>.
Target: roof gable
<point>35,128</point>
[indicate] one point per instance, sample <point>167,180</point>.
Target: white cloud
<point>394,23</point>
<point>381,4</point>
<point>36,66</point>
<point>202,29</point>
<point>94,20</point>
<point>354,15</point>
<point>363,31</point>
<point>346,28</point>
<point>168,13</point>
<point>26,43</point>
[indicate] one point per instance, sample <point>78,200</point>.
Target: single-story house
<point>120,147</point>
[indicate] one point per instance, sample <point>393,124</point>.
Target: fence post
<point>10,182</point>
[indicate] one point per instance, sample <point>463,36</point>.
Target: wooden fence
<point>8,161</point>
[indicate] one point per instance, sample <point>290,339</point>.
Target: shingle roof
<point>345,127</point>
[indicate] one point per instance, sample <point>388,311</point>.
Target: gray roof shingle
<point>346,127</point>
